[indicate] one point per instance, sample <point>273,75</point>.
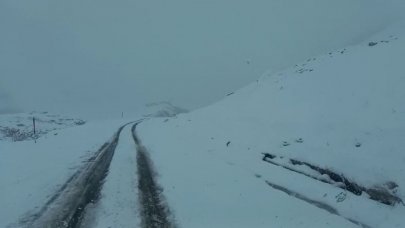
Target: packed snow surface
<point>118,206</point>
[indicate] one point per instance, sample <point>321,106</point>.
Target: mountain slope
<point>342,112</point>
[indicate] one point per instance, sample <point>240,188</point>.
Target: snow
<point>31,173</point>
<point>19,127</point>
<point>118,206</point>
<point>33,169</point>
<point>346,105</point>
<point>207,189</point>
<point>342,111</point>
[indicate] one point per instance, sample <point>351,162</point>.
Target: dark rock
<point>372,44</point>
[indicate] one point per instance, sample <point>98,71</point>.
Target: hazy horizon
<point>101,58</point>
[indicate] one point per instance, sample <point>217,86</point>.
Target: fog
<point>101,58</point>
<point>6,103</point>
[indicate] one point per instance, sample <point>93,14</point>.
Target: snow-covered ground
<point>19,127</point>
<point>33,168</point>
<point>347,106</point>
<point>31,173</point>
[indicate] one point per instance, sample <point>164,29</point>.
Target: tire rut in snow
<point>378,194</point>
<point>318,204</point>
<point>154,211</point>
<point>66,208</point>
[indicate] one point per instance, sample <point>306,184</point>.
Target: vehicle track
<point>154,211</point>
<point>379,195</point>
<point>66,208</point>
<point>318,204</point>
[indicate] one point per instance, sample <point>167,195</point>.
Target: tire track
<point>378,194</point>
<point>315,203</point>
<point>154,211</point>
<point>66,208</point>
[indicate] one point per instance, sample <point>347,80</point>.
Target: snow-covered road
<point>130,195</point>
<point>116,187</point>
<point>66,207</point>
<point>118,203</point>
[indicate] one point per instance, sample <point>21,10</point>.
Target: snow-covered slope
<point>343,112</point>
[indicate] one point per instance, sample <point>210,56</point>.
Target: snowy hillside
<point>328,131</point>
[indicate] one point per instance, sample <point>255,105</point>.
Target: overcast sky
<point>101,57</point>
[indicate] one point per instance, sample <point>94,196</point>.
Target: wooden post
<point>33,123</point>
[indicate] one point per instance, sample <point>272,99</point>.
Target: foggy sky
<point>101,57</point>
